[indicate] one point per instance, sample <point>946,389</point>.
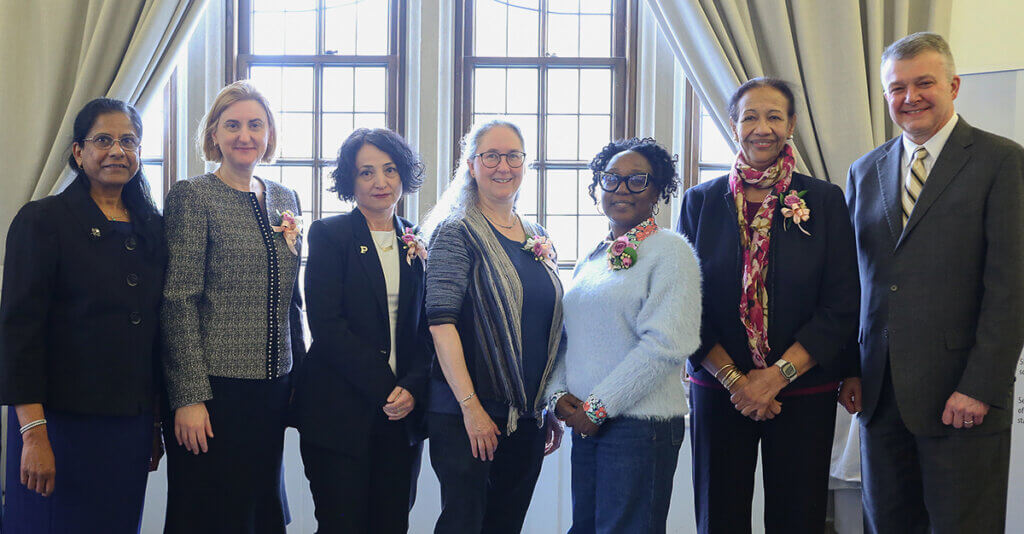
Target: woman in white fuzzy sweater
<point>632,317</point>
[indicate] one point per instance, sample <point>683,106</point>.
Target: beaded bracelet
<point>553,400</point>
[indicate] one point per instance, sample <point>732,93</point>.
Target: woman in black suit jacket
<point>365,375</point>
<point>78,338</point>
<point>780,305</point>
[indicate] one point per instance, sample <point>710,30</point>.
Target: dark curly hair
<point>663,164</point>
<point>410,167</point>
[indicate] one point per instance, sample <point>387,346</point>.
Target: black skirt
<point>235,487</point>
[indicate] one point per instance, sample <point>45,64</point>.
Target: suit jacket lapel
<point>888,173</point>
<point>953,157</point>
<point>407,277</point>
<point>368,258</point>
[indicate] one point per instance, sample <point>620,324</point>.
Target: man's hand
<point>963,411</point>
<point>850,395</point>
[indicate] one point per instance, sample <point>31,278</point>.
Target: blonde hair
<point>236,92</point>
<point>461,192</point>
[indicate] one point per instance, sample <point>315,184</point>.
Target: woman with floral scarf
<point>780,312</point>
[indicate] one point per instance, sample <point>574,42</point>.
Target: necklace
<point>386,244</point>
<point>118,217</point>
<point>515,218</point>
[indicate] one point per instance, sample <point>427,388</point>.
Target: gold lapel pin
<point>95,232</point>
<point>362,249</point>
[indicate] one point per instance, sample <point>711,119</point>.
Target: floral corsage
<point>622,250</point>
<point>542,249</point>
<point>290,228</point>
<point>795,208</point>
<point>414,247</point>
<point>595,410</point>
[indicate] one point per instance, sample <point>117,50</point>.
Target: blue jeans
<point>622,477</point>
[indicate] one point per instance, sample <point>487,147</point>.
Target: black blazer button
<point>130,243</point>
<point>894,288</point>
<point>133,279</point>
<point>135,317</point>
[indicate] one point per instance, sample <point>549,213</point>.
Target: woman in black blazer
<point>78,337</point>
<point>365,375</point>
<point>780,305</point>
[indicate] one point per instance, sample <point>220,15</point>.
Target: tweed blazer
<point>231,305</point>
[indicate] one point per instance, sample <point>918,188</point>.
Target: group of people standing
<point>123,332</point>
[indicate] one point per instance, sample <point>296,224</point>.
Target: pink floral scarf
<point>755,238</point>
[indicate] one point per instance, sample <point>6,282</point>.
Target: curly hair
<point>664,175</point>
<point>410,166</point>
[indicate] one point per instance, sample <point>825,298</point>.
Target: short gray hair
<point>916,43</point>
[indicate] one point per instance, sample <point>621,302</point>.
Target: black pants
<point>796,451</point>
<point>920,484</point>
<point>236,486</point>
<point>367,494</point>
<point>480,496</point>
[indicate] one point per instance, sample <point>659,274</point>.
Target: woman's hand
<point>754,394</point>
<point>38,468</point>
<point>481,430</point>
<point>158,448</point>
<point>850,394</point>
<point>567,405</point>
<point>400,403</point>
<point>192,427</point>
<point>553,430</point>
<point>582,424</point>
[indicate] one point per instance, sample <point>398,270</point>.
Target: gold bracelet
<point>730,372</point>
<point>731,379</point>
<point>724,368</point>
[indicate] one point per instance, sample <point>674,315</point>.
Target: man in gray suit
<point>939,217</point>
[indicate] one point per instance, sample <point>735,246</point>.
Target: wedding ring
<point>969,423</point>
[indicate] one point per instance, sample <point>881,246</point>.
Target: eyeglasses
<point>493,159</point>
<point>635,183</point>
<point>104,142</point>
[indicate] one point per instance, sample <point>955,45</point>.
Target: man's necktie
<point>915,182</point>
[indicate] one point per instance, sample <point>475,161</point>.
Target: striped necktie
<point>915,182</point>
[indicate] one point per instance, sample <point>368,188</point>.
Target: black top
<point>812,283</point>
<point>535,324</point>
<point>79,311</point>
<point>346,378</point>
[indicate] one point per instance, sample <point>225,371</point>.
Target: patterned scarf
<point>756,237</point>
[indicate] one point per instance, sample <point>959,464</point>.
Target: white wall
<point>985,35</point>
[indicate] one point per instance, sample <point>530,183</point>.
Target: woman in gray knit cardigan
<point>618,385</point>
<point>486,267</point>
<point>232,327</point>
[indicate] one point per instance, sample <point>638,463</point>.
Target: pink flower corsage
<point>414,247</point>
<point>542,249</point>
<point>595,410</point>
<point>795,208</point>
<point>290,228</point>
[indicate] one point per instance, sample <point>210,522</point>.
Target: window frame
<point>241,59</point>
<point>693,134</point>
<point>168,159</point>
<point>623,65</point>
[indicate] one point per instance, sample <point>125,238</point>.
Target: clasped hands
<point>399,404</point>
<point>569,408</point>
<point>753,395</point>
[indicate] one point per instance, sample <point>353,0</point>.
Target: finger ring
<point>971,422</point>
<point>582,435</point>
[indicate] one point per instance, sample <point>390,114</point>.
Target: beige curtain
<point>829,51</point>
<point>56,55</point>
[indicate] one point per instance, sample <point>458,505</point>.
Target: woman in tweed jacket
<point>486,267</point>
<point>231,324</point>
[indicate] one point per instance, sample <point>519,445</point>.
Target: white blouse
<point>386,244</point>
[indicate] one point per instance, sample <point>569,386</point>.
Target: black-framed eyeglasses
<point>491,160</point>
<point>635,183</point>
<point>104,142</point>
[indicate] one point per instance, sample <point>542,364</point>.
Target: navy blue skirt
<point>100,484</point>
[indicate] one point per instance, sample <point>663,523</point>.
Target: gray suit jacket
<point>943,298</point>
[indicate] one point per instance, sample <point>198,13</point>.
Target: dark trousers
<point>622,477</point>
<point>919,484</point>
<point>480,496</point>
<point>796,451</point>
<point>236,486</point>
<point>365,494</point>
